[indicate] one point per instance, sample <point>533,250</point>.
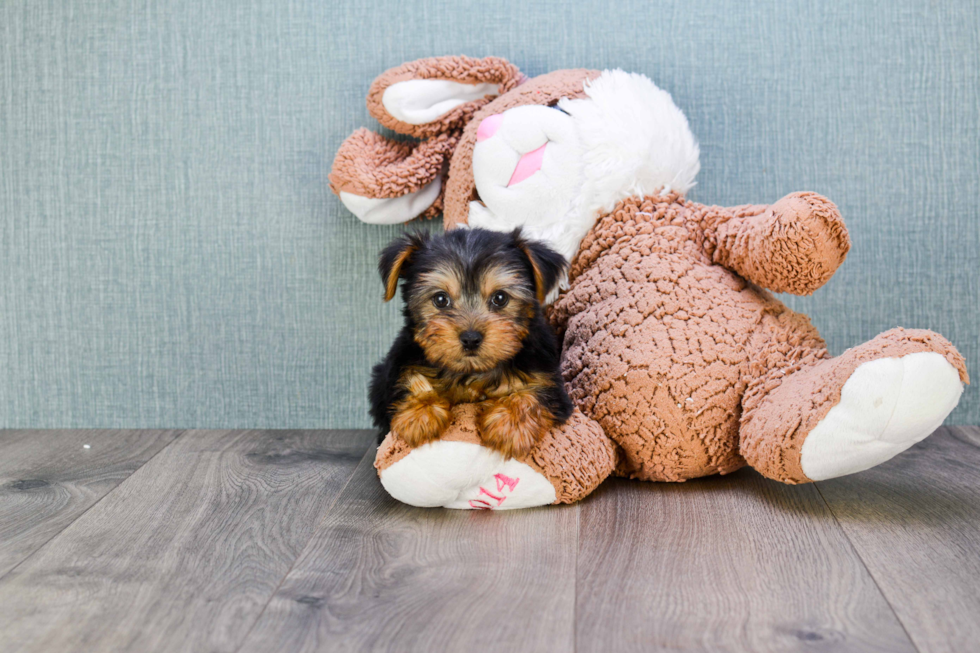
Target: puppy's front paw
<point>513,424</point>
<point>421,419</point>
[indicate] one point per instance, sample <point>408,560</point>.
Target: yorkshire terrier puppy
<point>474,333</point>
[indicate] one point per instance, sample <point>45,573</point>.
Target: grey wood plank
<point>184,554</point>
<point>49,478</point>
<point>383,576</point>
<point>915,521</point>
<point>728,563</point>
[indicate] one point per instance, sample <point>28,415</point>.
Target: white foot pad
<point>465,476</point>
<point>886,406</point>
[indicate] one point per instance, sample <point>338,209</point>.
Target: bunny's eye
<point>441,300</point>
<point>557,108</point>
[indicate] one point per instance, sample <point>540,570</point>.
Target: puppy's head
<point>470,295</point>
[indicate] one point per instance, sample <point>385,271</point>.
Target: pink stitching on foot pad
<point>503,481</point>
<point>499,500</point>
<point>507,481</point>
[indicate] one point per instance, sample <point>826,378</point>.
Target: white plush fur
<point>541,203</point>
<point>635,141</point>
<point>626,138</point>
<point>421,101</point>
<point>392,210</point>
<point>886,406</point>
<point>451,475</point>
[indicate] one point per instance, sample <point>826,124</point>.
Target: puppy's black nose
<point>470,339</point>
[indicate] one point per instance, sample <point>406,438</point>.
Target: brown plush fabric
<point>691,369</point>
<point>575,457</point>
<point>795,247</point>
<point>546,89</point>
<point>370,165</point>
<point>466,70</point>
<point>659,339</point>
<point>780,410</point>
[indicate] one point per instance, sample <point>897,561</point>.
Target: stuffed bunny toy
<point>679,359</point>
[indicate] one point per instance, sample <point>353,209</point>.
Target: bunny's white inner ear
<point>392,210</point>
<point>421,101</point>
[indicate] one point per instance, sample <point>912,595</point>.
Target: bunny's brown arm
<point>794,245</point>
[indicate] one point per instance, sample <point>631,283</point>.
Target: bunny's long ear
<point>439,94</point>
<point>382,181</point>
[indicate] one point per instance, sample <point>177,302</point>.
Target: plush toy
<point>679,360</point>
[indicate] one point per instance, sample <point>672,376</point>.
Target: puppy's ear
<point>396,258</point>
<point>546,264</point>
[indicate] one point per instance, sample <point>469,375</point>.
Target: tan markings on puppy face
<point>439,338</point>
<point>445,279</point>
<point>497,305</point>
<point>502,338</point>
<point>503,279</point>
<point>440,280</point>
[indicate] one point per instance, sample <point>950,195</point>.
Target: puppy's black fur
<point>464,266</point>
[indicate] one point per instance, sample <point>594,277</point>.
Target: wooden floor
<point>285,541</point>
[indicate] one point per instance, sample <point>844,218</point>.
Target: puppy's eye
<point>441,300</point>
<point>499,299</point>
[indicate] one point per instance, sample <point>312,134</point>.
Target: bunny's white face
<point>528,170</point>
<point>553,170</point>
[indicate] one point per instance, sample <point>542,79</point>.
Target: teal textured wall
<point>170,254</point>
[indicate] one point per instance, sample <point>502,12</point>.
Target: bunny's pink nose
<point>489,126</point>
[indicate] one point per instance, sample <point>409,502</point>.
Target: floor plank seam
<point>180,434</point>
<point>578,556</point>
<point>369,454</point>
<point>867,569</point>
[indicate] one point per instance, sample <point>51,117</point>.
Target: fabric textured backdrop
<point>170,254</point>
